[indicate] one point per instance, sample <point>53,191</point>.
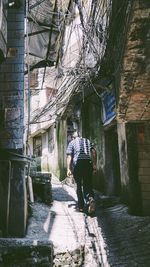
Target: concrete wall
<point>92,129</point>
<point>62,146</point>
<point>112,164</point>
<point>53,158</point>
<point>49,159</point>
<point>144,165</point>
<point>107,178</point>
<point>13,196</point>
<point>134,198</point>
<point>124,175</point>
<point>134,152</point>
<point>12,84</point>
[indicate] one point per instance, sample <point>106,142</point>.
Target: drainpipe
<point>12,179</point>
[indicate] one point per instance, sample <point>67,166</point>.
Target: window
<point>37,146</point>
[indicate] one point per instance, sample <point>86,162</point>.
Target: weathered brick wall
<point>133,106</point>
<point>134,95</point>
<point>144,165</point>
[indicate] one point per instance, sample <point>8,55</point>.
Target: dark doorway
<point>112,166</point>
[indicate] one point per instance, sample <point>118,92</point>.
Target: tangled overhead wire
<point>91,35</point>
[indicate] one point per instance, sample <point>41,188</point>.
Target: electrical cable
<point>58,99</point>
<point>78,81</point>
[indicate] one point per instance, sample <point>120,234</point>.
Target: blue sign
<point>108,107</point>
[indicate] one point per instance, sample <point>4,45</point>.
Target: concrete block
<point>145,187</point>
<point>144,171</point>
<point>146,207</point>
<point>144,155</point>
<point>144,179</point>
<point>146,196</point>
<point>145,163</point>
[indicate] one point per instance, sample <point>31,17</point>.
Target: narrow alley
<point>74,102</point>
<point>112,237</point>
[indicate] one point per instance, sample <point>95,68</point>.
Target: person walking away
<point>81,162</point>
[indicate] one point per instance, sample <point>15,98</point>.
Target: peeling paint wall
<point>54,155</point>
<point>13,195</point>
<point>62,146</point>
<point>49,158</point>
<point>124,175</point>
<point>12,85</point>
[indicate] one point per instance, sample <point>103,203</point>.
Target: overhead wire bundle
<point>90,33</point>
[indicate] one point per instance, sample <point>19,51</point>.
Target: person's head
<point>75,134</point>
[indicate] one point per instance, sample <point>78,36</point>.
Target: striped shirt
<point>79,148</point>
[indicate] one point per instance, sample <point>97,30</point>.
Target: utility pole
<point>13,197</point>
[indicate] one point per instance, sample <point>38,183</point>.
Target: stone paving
<point>58,235</point>
<point>110,238</point>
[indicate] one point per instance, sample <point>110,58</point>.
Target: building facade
<point>13,196</point>
<point>102,88</point>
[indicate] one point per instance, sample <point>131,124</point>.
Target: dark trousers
<point>83,177</point>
